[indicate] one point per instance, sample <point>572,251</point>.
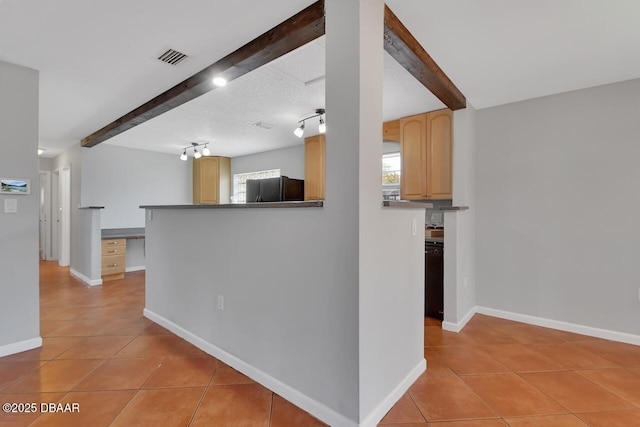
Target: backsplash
<point>434,216</point>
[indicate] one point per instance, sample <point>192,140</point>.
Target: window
<point>391,176</point>
<point>240,182</point>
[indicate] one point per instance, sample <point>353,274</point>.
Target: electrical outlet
<point>220,303</point>
<point>414,227</point>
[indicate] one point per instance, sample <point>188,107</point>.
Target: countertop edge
<point>261,205</point>
<point>91,207</point>
<point>405,204</point>
<point>123,233</point>
<point>454,208</point>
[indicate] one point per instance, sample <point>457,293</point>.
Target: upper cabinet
<point>211,180</point>
<point>391,131</point>
<point>314,167</point>
<point>426,149</point>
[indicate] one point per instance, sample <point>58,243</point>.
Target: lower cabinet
<point>114,259</point>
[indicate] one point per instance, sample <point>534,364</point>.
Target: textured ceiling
<point>279,94</point>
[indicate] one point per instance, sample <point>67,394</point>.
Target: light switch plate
<point>10,206</point>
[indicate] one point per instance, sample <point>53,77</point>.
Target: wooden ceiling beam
<point>402,46</point>
<point>291,34</point>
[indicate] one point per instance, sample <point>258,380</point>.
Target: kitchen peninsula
<point>271,288</point>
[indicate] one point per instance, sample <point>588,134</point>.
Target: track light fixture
<point>196,153</point>
<point>322,127</point>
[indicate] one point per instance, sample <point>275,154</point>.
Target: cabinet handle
<point>115,251</point>
<point>112,265</point>
<point>112,243</point>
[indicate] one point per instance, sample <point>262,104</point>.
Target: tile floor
<point>123,370</point>
<point>502,373</point>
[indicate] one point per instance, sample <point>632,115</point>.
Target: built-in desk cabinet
<point>211,180</point>
<point>114,258</point>
<point>426,145</point>
<point>314,167</point>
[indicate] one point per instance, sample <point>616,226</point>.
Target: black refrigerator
<point>280,189</point>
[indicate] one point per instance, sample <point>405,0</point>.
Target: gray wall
<point>558,226</point>
<point>19,304</point>
<point>45,163</point>
<point>289,160</point>
<point>121,179</point>
<point>314,298</point>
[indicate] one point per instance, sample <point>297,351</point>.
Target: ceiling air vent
<point>172,57</point>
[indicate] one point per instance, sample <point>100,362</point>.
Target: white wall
<point>80,260</point>
<point>19,304</point>
<point>121,179</point>
<point>391,260</point>
<point>289,160</point>
<point>558,230</point>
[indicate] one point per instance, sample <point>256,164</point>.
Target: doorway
<point>61,230</point>
<point>45,215</point>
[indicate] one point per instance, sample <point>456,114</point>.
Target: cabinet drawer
<point>113,264</point>
<point>113,250</point>
<point>112,243</point>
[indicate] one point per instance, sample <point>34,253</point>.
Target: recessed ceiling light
<point>219,81</point>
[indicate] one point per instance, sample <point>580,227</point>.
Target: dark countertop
<point>123,233</point>
<point>454,208</point>
<point>261,205</point>
<point>91,207</point>
<point>405,204</point>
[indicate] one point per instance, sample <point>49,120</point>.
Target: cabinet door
<point>439,154</point>
<point>206,175</point>
<point>413,148</point>
<point>314,167</point>
<point>391,131</point>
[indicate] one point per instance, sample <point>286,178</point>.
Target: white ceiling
<point>278,95</point>
<point>97,59</point>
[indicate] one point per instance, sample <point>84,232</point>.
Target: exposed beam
<point>401,45</point>
<point>296,31</point>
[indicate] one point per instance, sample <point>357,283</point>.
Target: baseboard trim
<point>457,327</point>
<point>84,278</point>
<point>381,410</point>
<point>19,347</point>
<point>315,408</point>
<point>562,326</point>
<point>137,268</point>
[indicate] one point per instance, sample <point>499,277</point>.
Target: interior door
<point>45,214</point>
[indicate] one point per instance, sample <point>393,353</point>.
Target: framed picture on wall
<point>15,186</point>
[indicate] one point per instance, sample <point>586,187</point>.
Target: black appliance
<point>278,189</point>
<point>433,279</point>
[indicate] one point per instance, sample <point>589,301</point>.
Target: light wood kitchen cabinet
<point>114,257</point>
<point>426,151</point>
<point>391,131</point>
<point>211,180</point>
<point>314,167</point>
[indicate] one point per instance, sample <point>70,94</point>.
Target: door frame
<point>62,206</point>
<point>45,215</point>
